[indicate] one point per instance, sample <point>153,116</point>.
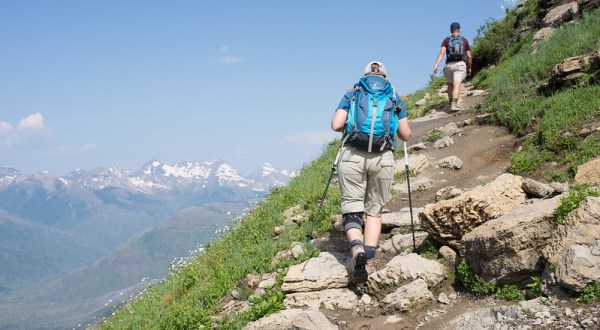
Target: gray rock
<point>589,173</point>
<point>574,249</point>
<point>403,244</point>
<point>561,14</point>
<point>537,189</point>
<point>330,299</point>
<point>400,219</point>
<point>327,271</point>
<point>449,255</point>
<point>407,296</point>
<point>452,162</point>
<point>507,249</point>
<point>443,142</point>
<point>293,319</point>
<point>407,268</point>
<point>449,220</point>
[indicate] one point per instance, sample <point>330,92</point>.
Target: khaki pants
<point>365,180</point>
<point>455,71</point>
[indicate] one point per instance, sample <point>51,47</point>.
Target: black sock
<point>355,243</point>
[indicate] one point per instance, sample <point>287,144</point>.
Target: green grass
<point>472,281</point>
<point>528,159</point>
<point>552,121</point>
<point>591,293</point>
<point>480,287</point>
<point>190,296</point>
<point>433,135</point>
<point>572,200</point>
<point>414,111</point>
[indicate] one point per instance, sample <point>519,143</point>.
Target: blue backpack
<point>456,49</point>
<point>372,116</point>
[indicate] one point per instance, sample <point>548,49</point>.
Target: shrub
<point>572,200</point>
<point>509,292</point>
<point>433,135</point>
<point>472,281</point>
<point>591,293</point>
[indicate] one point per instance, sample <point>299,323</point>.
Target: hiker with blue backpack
<point>370,115</point>
<point>458,63</point>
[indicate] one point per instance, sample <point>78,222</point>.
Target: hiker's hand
<point>435,69</point>
<point>468,71</point>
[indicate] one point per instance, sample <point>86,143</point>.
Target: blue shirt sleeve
<point>345,102</point>
<point>399,103</point>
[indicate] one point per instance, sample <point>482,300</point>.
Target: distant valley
<point>70,245</point>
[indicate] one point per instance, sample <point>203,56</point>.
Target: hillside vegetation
<point>548,124</point>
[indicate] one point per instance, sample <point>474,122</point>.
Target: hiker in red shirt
<point>458,63</point>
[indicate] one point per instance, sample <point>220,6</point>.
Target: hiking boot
<point>359,261</point>
<point>454,105</point>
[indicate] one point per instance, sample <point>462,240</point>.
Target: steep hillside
<point>545,108</point>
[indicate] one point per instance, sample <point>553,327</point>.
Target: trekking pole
<point>412,224</point>
<point>312,226</point>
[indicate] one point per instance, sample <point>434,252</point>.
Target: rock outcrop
<point>449,220</point>
<point>573,252</point>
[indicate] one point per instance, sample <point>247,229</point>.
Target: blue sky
<point>88,84</point>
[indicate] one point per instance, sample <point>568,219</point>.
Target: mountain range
<point>67,243</point>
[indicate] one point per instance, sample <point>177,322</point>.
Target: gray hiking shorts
<point>455,71</point>
<point>365,180</point>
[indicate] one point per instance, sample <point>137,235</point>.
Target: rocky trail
<point>458,182</point>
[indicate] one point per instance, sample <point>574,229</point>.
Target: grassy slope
<point>190,296</point>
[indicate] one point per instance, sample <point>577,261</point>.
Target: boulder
<point>448,220</point>
<point>400,219</point>
<point>407,268</point>
<point>589,173</point>
<point>561,14</point>
<point>293,319</point>
<point>508,249</point>
<point>403,244</point>
<point>416,163</point>
<point>407,296</point>
<point>327,271</point>
<point>572,71</point>
<point>573,252</point>
<point>537,189</point>
<point>330,299</point>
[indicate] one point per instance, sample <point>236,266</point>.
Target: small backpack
<point>372,118</point>
<point>456,49</point>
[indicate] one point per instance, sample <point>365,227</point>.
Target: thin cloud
<point>225,57</point>
<point>34,122</point>
<point>89,146</point>
<point>228,60</point>
<point>315,138</point>
<point>5,128</point>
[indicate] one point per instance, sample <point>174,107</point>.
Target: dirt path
<point>485,151</point>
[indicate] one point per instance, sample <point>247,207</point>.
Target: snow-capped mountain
<point>155,175</point>
<point>182,184</point>
<point>60,228</point>
<point>268,177</point>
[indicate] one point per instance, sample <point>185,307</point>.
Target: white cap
<point>380,71</point>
